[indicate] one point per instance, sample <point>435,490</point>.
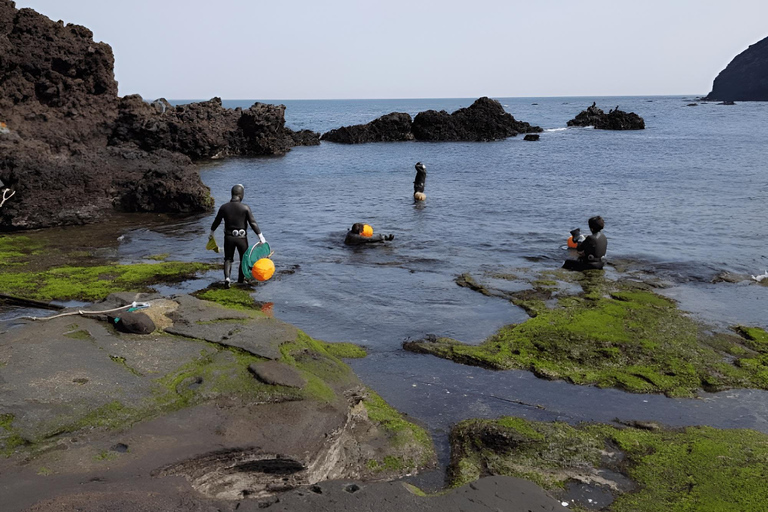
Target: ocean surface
<point>685,199</point>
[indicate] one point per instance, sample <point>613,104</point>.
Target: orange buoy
<point>572,244</point>
<point>367,231</point>
<point>263,269</point>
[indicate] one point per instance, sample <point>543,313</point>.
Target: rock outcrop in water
<point>615,119</point>
<point>745,78</point>
<point>484,120</point>
<point>73,150</point>
<point>388,128</point>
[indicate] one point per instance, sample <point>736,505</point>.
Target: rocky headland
<point>745,78</point>
<point>73,151</point>
<point>615,119</point>
<point>484,120</point>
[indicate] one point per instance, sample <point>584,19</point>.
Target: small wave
<point>555,129</point>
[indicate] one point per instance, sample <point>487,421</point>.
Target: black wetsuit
<point>420,181</point>
<point>355,239</point>
<point>237,217</point>
<point>593,249</point>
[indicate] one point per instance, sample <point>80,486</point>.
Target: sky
<point>375,49</point>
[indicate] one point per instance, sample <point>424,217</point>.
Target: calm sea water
<point>685,198</point>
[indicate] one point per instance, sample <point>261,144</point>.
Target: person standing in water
<point>237,216</point>
<point>592,250</point>
<point>420,182</point>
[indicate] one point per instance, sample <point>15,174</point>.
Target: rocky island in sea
<point>484,120</point>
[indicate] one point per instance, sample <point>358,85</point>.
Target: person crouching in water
<point>592,250</point>
<point>237,217</point>
<point>358,235</point>
<point>420,182</point>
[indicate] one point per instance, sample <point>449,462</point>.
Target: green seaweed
<point>615,334</point>
<point>15,250</point>
<point>696,468</point>
<point>415,443</point>
<point>344,350</point>
<point>232,298</point>
<point>95,283</point>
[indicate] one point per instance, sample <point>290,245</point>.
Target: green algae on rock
<point>695,468</point>
<point>611,334</point>
<point>96,283</point>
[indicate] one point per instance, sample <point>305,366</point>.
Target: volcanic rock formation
<point>745,78</point>
<point>615,119</point>
<point>484,120</point>
<point>73,151</point>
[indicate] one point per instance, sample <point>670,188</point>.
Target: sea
<point>684,202</point>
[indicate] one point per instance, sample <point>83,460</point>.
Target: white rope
<point>140,305</point>
<point>8,197</point>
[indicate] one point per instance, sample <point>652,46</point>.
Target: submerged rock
<point>484,120</point>
<point>615,119</point>
<point>745,78</point>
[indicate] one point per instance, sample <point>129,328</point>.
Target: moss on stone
<point>614,334</point>
<point>95,283</point>
<point>413,443</point>
<point>15,250</point>
<point>80,334</point>
<point>756,338</point>
<point>233,298</point>
<point>345,350</point>
<point>121,361</point>
<point>696,468</point>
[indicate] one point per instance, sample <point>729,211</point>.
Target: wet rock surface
<point>744,79</point>
<point>615,119</point>
<point>484,120</point>
<point>126,415</point>
<point>73,151</point>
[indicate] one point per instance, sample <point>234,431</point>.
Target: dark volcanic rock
<point>531,137</point>
<point>206,129</point>
<point>388,128</point>
<point>745,78</point>
<point>74,151</point>
<point>484,120</point>
<point>615,119</point>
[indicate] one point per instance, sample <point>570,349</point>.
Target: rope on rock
<point>133,305</point>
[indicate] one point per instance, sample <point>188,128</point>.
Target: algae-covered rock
<point>188,405</point>
<point>612,334</point>
<point>643,470</point>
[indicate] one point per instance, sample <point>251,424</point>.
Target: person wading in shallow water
<point>420,182</point>
<point>592,250</point>
<point>236,216</point>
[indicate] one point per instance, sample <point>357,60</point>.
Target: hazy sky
<point>306,49</point>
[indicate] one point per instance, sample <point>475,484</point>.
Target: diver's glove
<point>262,239</point>
<point>210,235</point>
<point>389,237</point>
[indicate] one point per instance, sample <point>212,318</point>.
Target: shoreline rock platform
<point>94,419</point>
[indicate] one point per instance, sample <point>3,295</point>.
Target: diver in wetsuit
<point>421,178</point>
<point>355,237</point>
<point>236,216</point>
<point>592,250</point>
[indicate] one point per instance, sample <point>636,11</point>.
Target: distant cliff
<point>745,78</point>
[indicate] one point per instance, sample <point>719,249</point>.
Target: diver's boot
<point>227,272</point>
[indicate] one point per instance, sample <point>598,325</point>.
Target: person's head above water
<point>420,166</point>
<point>238,191</point>
<point>357,228</point>
<point>596,224</point>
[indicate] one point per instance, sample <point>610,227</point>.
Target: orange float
<point>367,231</point>
<point>263,269</point>
<point>572,244</point>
